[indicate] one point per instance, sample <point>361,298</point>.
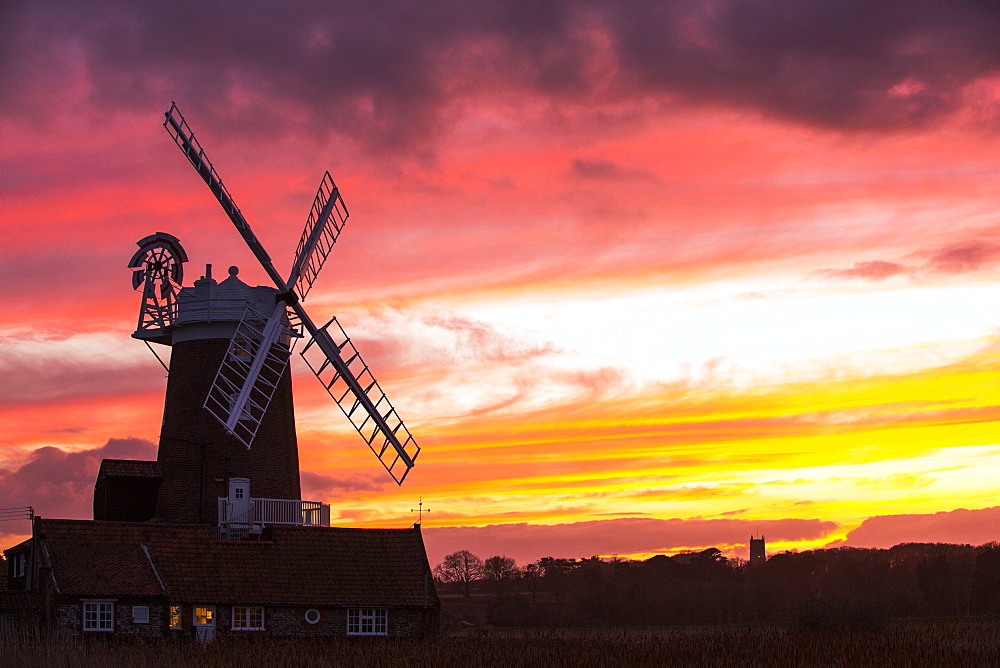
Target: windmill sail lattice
<point>326,220</point>
<point>244,384</point>
<point>334,378</point>
<point>255,354</point>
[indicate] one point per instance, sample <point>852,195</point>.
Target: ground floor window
<point>140,614</point>
<point>367,622</point>
<point>175,616</point>
<point>204,616</point>
<point>248,618</point>
<point>98,616</point>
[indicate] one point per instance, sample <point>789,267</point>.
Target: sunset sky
<point>640,277</point>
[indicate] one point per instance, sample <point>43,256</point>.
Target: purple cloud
<point>386,73</point>
<point>57,483</point>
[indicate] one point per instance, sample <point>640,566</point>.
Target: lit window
<point>367,622</point>
<point>140,614</point>
<point>175,616</point>
<point>203,616</point>
<point>248,618</point>
<point>98,616</point>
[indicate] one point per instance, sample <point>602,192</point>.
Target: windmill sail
<point>339,367</point>
<point>250,372</point>
<point>242,388</point>
<point>326,219</point>
<point>182,135</point>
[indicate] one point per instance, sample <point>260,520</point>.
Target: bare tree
<point>501,573</point>
<point>460,567</point>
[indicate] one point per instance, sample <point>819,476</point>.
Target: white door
<point>204,623</point>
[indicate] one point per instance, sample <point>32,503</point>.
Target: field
<point>939,643</point>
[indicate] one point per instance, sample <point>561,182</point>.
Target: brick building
<point>178,546</point>
<point>150,579</point>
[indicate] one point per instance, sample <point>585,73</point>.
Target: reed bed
<point>951,643</point>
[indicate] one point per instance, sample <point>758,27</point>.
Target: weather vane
<point>419,510</point>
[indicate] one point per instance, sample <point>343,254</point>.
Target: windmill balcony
<point>260,512</point>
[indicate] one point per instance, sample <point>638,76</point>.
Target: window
<point>312,615</point>
<point>98,616</point>
<point>20,564</point>
<point>175,616</point>
<point>248,618</point>
<point>140,614</point>
<point>203,616</point>
<point>367,622</point>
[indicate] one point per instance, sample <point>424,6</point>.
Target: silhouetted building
<point>757,553</point>
<point>180,546</point>
<point>151,579</point>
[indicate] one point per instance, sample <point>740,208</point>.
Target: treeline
<point>851,587</point>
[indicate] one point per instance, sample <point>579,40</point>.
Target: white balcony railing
<point>276,511</point>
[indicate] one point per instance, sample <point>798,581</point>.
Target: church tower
<point>757,553</point>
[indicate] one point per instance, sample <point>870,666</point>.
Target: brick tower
<point>196,456</point>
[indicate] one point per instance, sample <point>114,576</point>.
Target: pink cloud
<point>57,483</point>
<point>316,486</point>
<point>527,542</point>
<point>973,527</point>
<point>875,270</point>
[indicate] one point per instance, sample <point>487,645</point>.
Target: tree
<point>500,572</point>
<point>462,568</point>
<point>532,574</point>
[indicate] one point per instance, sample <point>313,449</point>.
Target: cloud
<point>527,542</point>
<point>962,526</point>
<point>81,365</point>
<point>964,257</point>
<point>388,73</point>
<point>57,483</point>
<point>876,270</point>
<point>607,169</point>
<point>317,486</point>
<point>961,257</point>
<point>848,65</point>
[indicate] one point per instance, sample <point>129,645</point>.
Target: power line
<point>21,513</point>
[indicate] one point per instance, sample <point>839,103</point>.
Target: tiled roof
<point>130,468</point>
<point>302,566</point>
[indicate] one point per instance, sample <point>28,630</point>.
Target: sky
<point>640,277</point>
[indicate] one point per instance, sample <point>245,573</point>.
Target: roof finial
<point>419,510</point>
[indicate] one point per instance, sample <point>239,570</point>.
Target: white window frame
<point>243,620</point>
<point>367,622</point>
<point>101,611</point>
<point>19,562</point>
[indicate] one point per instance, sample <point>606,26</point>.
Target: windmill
<point>228,413</point>
<point>256,359</point>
